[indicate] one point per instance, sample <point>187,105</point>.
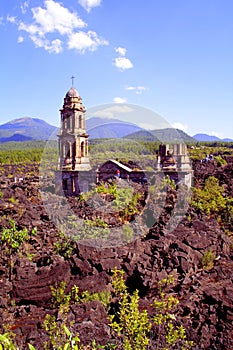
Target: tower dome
<point>72,92</point>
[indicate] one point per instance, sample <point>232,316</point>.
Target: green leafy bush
<point>207,261</point>
<point>220,161</point>
<point>12,239</point>
<point>132,325</point>
<point>210,199</point>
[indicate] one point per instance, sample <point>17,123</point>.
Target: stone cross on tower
<point>72,79</point>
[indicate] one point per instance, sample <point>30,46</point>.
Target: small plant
<point>127,234</point>
<point>167,181</point>
<point>207,261</point>
<point>13,200</point>
<point>60,337</point>
<point>210,199</point>
<point>6,341</point>
<point>220,161</point>
<point>103,297</point>
<point>165,318</point>
<point>131,325</point>
<point>63,246</point>
<point>61,298</point>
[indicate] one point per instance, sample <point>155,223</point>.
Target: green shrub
<point>207,261</point>
<point>210,199</point>
<point>12,239</point>
<point>6,341</point>
<point>132,325</point>
<point>167,181</point>
<point>220,161</point>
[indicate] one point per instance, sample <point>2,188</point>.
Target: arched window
<point>80,122</point>
<point>86,147</point>
<point>68,122</point>
<point>67,150</point>
<point>82,149</point>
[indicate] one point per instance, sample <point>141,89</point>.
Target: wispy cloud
<point>216,133</point>
<point>121,51</point>
<point>54,19</point>
<point>113,111</point>
<point>119,100</point>
<point>137,89</point>
<point>24,6</point>
<point>121,62</point>
<point>82,41</point>
<point>180,126</point>
<point>89,4</point>
<point>20,39</point>
<point>11,19</point>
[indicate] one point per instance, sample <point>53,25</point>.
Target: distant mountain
<point>109,128</point>
<point>162,135</point>
<point>16,138</point>
<point>30,129</point>
<point>142,135</point>
<point>26,129</point>
<point>209,138</point>
<point>227,140</point>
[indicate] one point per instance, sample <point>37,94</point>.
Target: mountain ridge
<point>25,129</point>
<point>34,129</point>
<point>202,137</point>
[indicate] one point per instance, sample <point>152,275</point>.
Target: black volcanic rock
<point>205,295</point>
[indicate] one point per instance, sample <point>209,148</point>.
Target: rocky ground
<point>205,294</point>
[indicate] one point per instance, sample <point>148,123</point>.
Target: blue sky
<point>174,57</point>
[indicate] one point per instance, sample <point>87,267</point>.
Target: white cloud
<point>11,19</point>
<point>119,100</point>
<point>216,133</point>
<point>20,39</point>
<point>82,41</point>
<point>121,62</point>
<point>137,89</point>
<point>121,51</point>
<point>89,4</point>
<point>113,111</point>
<point>56,19</point>
<point>53,46</point>
<point>180,126</point>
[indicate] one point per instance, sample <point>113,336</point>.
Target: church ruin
<point>74,173</point>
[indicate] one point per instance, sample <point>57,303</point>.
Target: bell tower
<point>72,138</point>
<point>73,163</point>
